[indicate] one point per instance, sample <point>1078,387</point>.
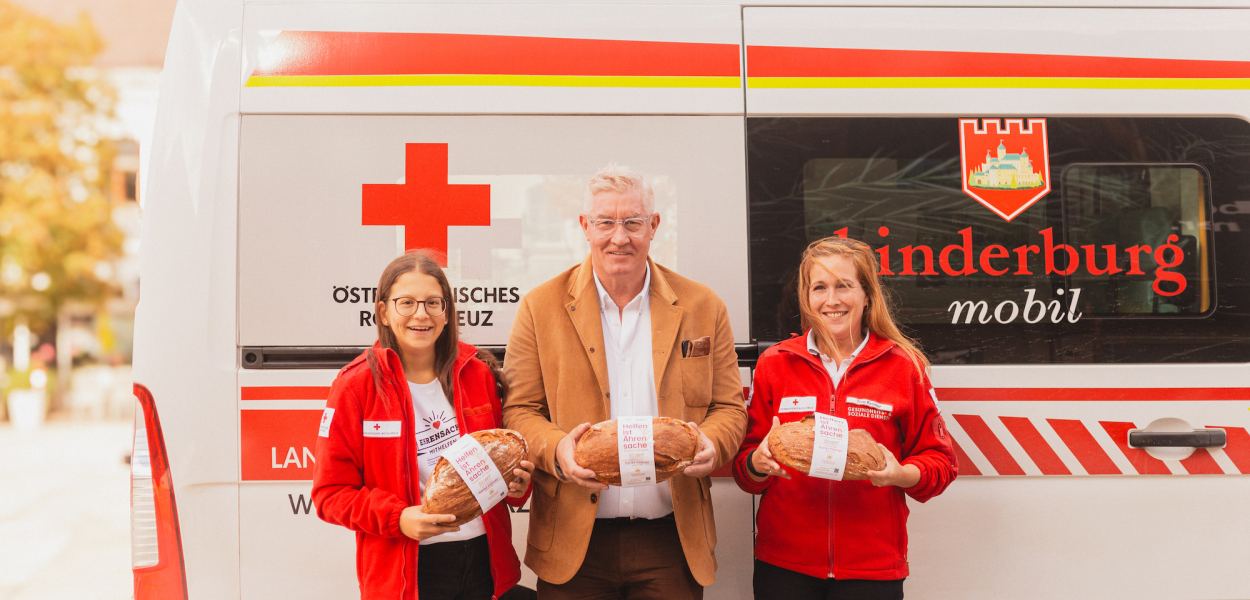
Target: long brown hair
<point>877,315</point>
<point>447,346</point>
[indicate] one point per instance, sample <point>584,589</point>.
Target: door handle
<point>1197,438</point>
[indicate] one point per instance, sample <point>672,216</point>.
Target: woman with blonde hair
<point>852,362</point>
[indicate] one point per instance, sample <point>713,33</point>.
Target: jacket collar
<point>872,348</point>
<point>582,284</point>
<point>393,368</point>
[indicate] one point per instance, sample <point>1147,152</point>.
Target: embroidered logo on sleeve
<point>869,409</point>
<point>794,404</point>
<point>381,429</point>
<point>327,417</point>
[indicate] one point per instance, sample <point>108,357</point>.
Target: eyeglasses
<point>633,225</point>
<point>406,307</point>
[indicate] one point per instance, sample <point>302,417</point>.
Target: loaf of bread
<point>791,445</point>
<point>676,443</point>
<point>447,494</point>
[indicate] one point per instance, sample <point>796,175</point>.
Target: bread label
<point>635,441</point>
<point>832,437</point>
<point>478,471</point>
<point>797,404</point>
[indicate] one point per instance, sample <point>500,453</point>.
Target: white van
<point>1060,198</point>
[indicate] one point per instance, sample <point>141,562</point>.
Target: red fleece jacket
<point>365,483</point>
<point>844,529</point>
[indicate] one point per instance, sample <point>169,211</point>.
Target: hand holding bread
<point>447,494</point>
<point>791,445</point>
<point>675,445</point>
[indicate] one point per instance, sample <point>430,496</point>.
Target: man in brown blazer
<point>617,336</point>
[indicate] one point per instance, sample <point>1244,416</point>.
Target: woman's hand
<point>896,474</point>
<point>520,479</point>
<point>762,459</point>
<point>415,523</point>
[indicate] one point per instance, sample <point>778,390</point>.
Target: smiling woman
<point>859,379</point>
<point>406,402</point>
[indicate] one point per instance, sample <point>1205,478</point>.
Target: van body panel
<point>256,234</point>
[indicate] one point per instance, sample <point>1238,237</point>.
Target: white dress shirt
<point>631,385</point>
<point>835,369</point>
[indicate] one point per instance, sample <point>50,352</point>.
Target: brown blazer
<point>559,378</point>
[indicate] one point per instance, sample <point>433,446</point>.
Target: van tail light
<point>155,543</point>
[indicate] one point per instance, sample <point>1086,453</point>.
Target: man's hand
<point>415,523</point>
<point>762,459</point>
<point>520,479</point>
<point>564,458</point>
<point>903,476</point>
<point>704,459</point>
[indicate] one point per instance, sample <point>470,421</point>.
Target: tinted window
<point>1132,256</point>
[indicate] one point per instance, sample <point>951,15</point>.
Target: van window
<point>1124,259</point>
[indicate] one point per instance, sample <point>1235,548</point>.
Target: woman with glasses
<point>842,540</point>
<point>391,413</point>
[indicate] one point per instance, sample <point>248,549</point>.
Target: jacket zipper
<point>409,438</point>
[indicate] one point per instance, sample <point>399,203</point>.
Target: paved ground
<point>65,511</point>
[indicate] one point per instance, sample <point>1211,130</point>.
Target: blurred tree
<point>57,236</point>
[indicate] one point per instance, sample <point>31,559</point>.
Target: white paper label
<point>327,417</point>
<point>381,429</point>
<point>635,441</point>
<point>793,404</point>
<point>475,467</point>
<point>829,448</point>
<point>881,406</point>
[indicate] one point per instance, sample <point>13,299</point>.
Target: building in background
<point>93,343</point>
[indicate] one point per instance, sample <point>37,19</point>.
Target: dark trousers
<point>773,582</point>
<point>455,571</point>
<point>636,559</point>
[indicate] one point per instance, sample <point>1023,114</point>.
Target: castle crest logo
<point>1005,163</point>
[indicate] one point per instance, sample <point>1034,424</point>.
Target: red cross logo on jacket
<point>425,204</point>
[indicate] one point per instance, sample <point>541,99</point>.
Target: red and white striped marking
<point>1009,445</point>
<point>285,417</point>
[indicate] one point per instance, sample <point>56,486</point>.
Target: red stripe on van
<point>966,466</point>
<point>288,392</point>
<point>1201,463</point>
<point>1083,445</point>
<point>1238,447</point>
<point>373,53</point>
<point>1141,460</point>
<point>1093,394</point>
<point>989,445</point>
<point>786,61</point>
<point>1035,445</point>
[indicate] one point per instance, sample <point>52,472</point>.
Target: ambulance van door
<point>1057,197</point>
<point>368,132</point>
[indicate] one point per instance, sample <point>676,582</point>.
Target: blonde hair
<point>619,179</point>
<point>877,314</point>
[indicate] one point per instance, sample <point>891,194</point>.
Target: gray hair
<point>619,179</point>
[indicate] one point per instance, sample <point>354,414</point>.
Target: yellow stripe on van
<point>1141,83</point>
<point>613,81</point>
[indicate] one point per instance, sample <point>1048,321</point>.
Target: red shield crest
<point>1006,163</point>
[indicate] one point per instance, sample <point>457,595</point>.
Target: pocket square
<point>696,347</point>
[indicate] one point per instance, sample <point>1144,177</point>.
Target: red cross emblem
<point>795,402</point>
<point>425,204</point>
<point>377,426</point>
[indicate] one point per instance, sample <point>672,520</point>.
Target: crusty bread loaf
<point>791,445</point>
<point>676,443</point>
<point>447,494</point>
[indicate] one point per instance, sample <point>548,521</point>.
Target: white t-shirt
<point>437,430</point>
